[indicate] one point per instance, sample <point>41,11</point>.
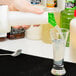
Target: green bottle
<point>67,15</point>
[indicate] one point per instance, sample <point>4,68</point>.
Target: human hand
<point>24,6</point>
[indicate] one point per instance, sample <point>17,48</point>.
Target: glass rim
<point>66,30</point>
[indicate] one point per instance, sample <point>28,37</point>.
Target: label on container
<point>51,3</point>
<point>70,4</point>
<point>35,1</point>
<point>51,19</point>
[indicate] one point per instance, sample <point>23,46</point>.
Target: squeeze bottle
<point>7,18</point>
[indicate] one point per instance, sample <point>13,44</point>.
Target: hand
<point>24,6</point>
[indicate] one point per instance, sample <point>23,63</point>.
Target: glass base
<point>58,72</point>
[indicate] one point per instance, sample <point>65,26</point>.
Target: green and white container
<point>67,15</point>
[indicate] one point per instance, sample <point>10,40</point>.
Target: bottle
<point>45,35</point>
<point>67,15</point>
<point>4,26</point>
<point>73,33</point>
<point>51,3</point>
<point>73,38</point>
<point>34,32</point>
<point>16,33</point>
<point>54,4</point>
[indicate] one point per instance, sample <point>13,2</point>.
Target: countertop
<point>27,65</point>
<point>36,48</point>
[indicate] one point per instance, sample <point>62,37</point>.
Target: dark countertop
<point>26,65</point>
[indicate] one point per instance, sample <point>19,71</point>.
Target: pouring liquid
<point>46,29</point>
<point>59,30</point>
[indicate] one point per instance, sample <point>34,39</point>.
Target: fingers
<point>23,26</point>
<point>26,26</point>
<point>17,27</point>
<point>25,6</point>
<point>35,10</point>
<point>12,8</point>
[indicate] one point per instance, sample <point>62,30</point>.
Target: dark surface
<point>26,65</point>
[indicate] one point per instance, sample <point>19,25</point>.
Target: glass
<point>59,44</point>
<point>66,16</point>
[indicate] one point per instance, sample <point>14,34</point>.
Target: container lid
<point>75,13</point>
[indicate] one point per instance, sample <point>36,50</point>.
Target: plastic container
<point>67,15</point>
<point>16,33</point>
<point>8,18</point>
<point>51,3</point>
<point>4,26</point>
<point>73,33</point>
<point>34,32</point>
<point>54,4</point>
<point>21,18</point>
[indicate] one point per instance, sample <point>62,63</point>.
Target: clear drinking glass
<point>59,45</point>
